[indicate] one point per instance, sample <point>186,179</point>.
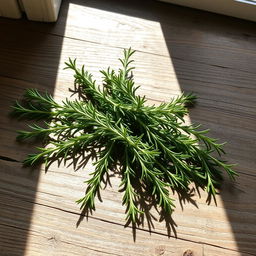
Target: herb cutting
<point>150,146</point>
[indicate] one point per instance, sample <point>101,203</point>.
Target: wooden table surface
<point>178,49</point>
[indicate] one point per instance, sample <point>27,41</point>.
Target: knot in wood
<point>160,250</point>
<point>188,253</point>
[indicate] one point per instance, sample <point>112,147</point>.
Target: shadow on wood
<point>23,65</point>
<point>213,57</point>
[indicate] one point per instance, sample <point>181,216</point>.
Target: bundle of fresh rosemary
<point>151,145</point>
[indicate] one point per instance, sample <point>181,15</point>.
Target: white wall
<point>38,10</point>
<point>239,9</point>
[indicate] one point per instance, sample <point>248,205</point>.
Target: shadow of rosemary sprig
<point>155,150</point>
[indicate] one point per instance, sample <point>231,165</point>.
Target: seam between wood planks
<point>140,229</point>
<point>209,82</point>
<point>8,159</point>
<point>157,100</point>
<point>63,241</point>
<point>146,52</point>
<point>139,51</point>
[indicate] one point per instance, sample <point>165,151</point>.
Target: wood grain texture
<point>175,52</point>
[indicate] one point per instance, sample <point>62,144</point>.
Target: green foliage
<point>150,146</point>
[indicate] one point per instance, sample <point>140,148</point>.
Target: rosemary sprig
<point>148,144</point>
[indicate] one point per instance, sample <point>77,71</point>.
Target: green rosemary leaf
<point>150,147</point>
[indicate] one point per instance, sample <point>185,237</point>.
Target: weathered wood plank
<point>60,187</point>
<point>53,229</point>
<point>185,228</point>
<point>215,59</point>
<point>156,84</point>
<point>55,206</point>
<point>150,28</point>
